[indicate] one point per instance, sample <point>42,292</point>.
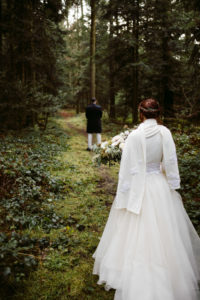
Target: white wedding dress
<point>153,255</point>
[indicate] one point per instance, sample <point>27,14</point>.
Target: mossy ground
<point>65,271</point>
<point>65,265</point>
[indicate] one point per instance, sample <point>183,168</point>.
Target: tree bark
<point>112,114</point>
<point>167,94</point>
<point>93,49</point>
<point>135,62</point>
<point>0,32</point>
<point>78,60</point>
<point>33,48</point>
<point>82,12</point>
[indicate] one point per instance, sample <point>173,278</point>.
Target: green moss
<point>65,266</point>
<point>65,269</point>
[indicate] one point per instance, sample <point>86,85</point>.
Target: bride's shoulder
<point>164,129</point>
<point>134,134</point>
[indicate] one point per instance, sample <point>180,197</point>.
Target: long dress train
<point>153,255</point>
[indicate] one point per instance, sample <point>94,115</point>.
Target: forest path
<point>74,125</point>
<point>66,272</point>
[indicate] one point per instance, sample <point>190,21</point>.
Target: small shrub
<point>28,193</point>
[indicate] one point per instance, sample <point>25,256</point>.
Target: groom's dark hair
<point>93,100</point>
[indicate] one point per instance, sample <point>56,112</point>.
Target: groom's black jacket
<point>93,115</point>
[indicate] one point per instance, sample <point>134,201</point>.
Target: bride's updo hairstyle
<point>149,108</point>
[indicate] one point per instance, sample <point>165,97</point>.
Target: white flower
<point>127,132</point>
<point>116,138</point>
<point>117,142</point>
<point>108,150</point>
<point>104,144</point>
<point>94,147</point>
<point>121,146</point>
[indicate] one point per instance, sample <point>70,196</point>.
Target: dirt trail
<point>106,184</point>
<point>67,116</point>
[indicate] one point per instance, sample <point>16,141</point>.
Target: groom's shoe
<point>88,149</point>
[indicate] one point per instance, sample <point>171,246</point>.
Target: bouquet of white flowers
<point>110,151</point>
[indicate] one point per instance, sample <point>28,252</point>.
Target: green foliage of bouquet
<point>110,151</point>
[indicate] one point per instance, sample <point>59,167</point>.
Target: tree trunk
<point>93,49</point>
<point>112,114</point>
<point>167,94</point>
<point>0,32</point>
<point>33,73</point>
<point>111,70</point>
<point>78,60</point>
<point>67,18</point>
<point>82,13</point>
<point>135,62</point>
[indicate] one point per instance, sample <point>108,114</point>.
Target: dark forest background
<point>55,55</point>
<point>121,52</point>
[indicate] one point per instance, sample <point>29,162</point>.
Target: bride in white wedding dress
<point>149,249</point>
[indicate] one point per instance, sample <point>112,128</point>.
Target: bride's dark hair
<point>149,108</point>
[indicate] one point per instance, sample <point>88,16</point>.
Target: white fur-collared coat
<point>133,166</point>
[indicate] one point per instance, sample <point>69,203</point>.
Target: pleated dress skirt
<point>153,255</point>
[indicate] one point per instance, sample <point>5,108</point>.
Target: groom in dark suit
<point>93,115</point>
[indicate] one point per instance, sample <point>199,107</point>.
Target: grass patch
<point>65,266</point>
<point>64,259</point>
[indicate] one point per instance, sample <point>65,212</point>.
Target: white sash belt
<point>153,168</point>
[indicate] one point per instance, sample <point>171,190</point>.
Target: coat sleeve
<point>101,113</point>
<point>128,165</point>
<point>86,113</point>
<point>170,163</point>
<point>131,182</point>
<point>126,160</point>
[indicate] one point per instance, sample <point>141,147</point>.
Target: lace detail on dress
<point>153,168</point>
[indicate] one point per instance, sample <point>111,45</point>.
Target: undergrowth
<point>28,196</point>
<point>55,205</point>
